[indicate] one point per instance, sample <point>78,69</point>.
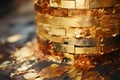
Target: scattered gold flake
<point>14,38</point>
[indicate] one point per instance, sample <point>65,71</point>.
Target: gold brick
<point>43,31</point>
<point>81,4</point>
<point>45,36</point>
<point>50,26</point>
<point>68,48</point>
<point>70,32</point>
<point>56,39</point>
<point>57,31</point>
<point>87,50</point>
<point>68,4</point>
<point>67,21</point>
<point>63,48</point>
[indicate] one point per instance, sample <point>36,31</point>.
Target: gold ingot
<point>87,50</point>
<point>67,21</point>
<point>63,48</point>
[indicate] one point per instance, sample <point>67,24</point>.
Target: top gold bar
<point>81,4</point>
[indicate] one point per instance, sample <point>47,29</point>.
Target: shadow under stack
<point>75,29</point>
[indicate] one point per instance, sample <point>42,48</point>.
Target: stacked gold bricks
<point>78,27</point>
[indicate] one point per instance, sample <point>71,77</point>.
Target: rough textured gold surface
<point>79,26</point>
<point>46,9</point>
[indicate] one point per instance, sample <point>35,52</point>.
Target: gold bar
<point>57,39</point>
<point>63,48</point>
<point>67,21</point>
<point>68,48</point>
<point>45,37</point>
<point>82,4</point>
<point>83,42</point>
<point>68,4</point>
<point>87,50</point>
<point>70,33</point>
<point>57,31</point>
<point>43,33</point>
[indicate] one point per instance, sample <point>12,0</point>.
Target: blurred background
<point>17,24</point>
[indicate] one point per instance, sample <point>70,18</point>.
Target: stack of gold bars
<point>78,27</point>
